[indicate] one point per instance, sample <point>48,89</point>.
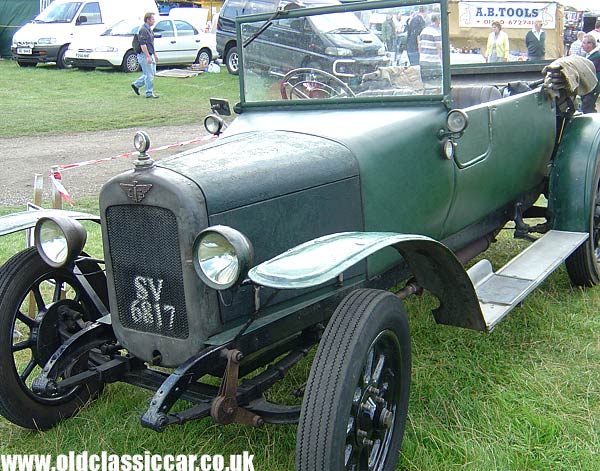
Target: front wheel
<point>204,56</point>
<point>356,400</point>
<point>231,61</point>
<point>61,63</point>
<point>130,62</point>
<point>583,266</point>
<point>41,307</point>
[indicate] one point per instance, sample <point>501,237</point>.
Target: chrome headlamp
<point>214,124</point>
<point>59,240</point>
<point>457,121</point>
<point>222,256</point>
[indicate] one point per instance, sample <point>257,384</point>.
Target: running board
<point>498,293</point>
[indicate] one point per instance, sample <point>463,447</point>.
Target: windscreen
<point>355,52</point>
<point>59,13</point>
<point>124,28</point>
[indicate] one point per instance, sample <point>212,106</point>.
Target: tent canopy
<point>13,14</point>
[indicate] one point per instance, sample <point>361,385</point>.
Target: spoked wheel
<point>356,400</point>
<point>307,82</point>
<point>583,266</point>
<point>29,335</point>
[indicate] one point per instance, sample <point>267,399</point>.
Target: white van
<point>47,37</point>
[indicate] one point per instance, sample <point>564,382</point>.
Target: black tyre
<point>583,266</point>
<point>61,63</point>
<point>204,55</point>
<point>27,342</point>
<point>356,399</point>
<point>130,62</point>
<point>26,64</point>
<point>231,61</point>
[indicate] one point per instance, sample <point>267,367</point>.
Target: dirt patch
<point>23,157</point>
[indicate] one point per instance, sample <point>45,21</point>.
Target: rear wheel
<point>130,62</point>
<point>231,60</point>
<point>356,400</point>
<point>40,308</point>
<point>583,265</point>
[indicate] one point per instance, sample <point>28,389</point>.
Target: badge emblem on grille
<point>136,191</point>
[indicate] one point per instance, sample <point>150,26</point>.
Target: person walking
<point>592,50</point>
<point>535,40</point>
<point>497,44</point>
<point>147,58</point>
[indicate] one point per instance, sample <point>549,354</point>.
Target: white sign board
<point>509,14</point>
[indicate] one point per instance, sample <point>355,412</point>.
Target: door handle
<point>173,42</point>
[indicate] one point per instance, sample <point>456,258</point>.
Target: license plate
<point>24,50</point>
<point>81,55</point>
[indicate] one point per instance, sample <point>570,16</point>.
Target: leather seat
<point>463,97</point>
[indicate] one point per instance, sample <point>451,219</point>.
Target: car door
<point>188,42</point>
<point>503,153</point>
<point>165,42</point>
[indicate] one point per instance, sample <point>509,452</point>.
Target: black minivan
<point>338,43</point>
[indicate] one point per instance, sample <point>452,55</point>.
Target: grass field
<point>45,99</point>
<point>526,397</point>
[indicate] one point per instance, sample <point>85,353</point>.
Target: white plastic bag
<point>213,68</point>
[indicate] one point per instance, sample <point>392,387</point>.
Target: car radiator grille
<point>147,271</point>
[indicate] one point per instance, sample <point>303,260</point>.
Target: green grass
<point>45,99</point>
<point>525,397</point>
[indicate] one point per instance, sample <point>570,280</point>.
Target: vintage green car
<point>235,258</point>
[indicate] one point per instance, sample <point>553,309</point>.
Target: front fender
<point>572,177</point>
<point>434,266</point>
<point>27,219</point>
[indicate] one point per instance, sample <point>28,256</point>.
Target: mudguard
<point>27,219</point>
<point>434,266</point>
<point>572,176</point>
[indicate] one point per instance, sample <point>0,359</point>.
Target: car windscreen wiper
<point>276,15</point>
<point>346,30</point>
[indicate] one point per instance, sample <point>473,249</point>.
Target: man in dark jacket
<point>147,58</point>
<point>535,40</point>
<point>415,25</point>
<point>592,50</point>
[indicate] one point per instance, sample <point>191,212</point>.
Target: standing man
<point>147,58</point>
<point>596,31</point>
<point>430,50</point>
<point>592,53</point>
<point>535,40</point>
<point>414,28</point>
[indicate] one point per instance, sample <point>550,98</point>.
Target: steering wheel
<point>307,82</point>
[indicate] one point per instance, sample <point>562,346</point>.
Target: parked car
<point>176,42</point>
<point>48,36</point>
<point>340,44</point>
<point>233,259</point>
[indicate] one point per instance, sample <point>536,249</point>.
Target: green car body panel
<point>573,174</point>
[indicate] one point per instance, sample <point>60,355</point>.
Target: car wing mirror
<point>81,19</point>
<point>157,35</point>
<point>220,106</point>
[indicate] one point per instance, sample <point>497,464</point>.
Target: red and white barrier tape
<point>55,180</point>
<point>55,177</point>
<point>130,154</point>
